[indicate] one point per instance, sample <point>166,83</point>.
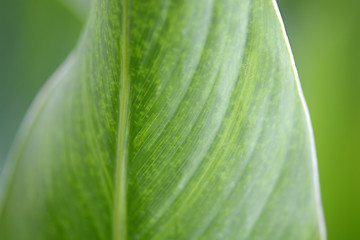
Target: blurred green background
<point>324,35</point>
<point>37,35</point>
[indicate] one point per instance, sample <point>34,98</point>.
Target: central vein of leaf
<point>120,197</point>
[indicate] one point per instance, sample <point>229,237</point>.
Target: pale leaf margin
<point>319,208</point>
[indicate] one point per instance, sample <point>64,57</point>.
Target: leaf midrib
<point>120,191</point>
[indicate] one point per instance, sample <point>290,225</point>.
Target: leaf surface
<point>171,120</point>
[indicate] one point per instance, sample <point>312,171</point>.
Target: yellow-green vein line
<point>120,194</point>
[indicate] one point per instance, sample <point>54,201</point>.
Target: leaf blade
<point>218,140</point>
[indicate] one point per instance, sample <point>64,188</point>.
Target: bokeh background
<point>37,35</point>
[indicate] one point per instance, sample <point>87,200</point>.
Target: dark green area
<point>35,38</point>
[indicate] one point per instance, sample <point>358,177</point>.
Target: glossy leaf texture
<point>172,119</point>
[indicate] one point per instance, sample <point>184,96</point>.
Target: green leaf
<point>171,120</point>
